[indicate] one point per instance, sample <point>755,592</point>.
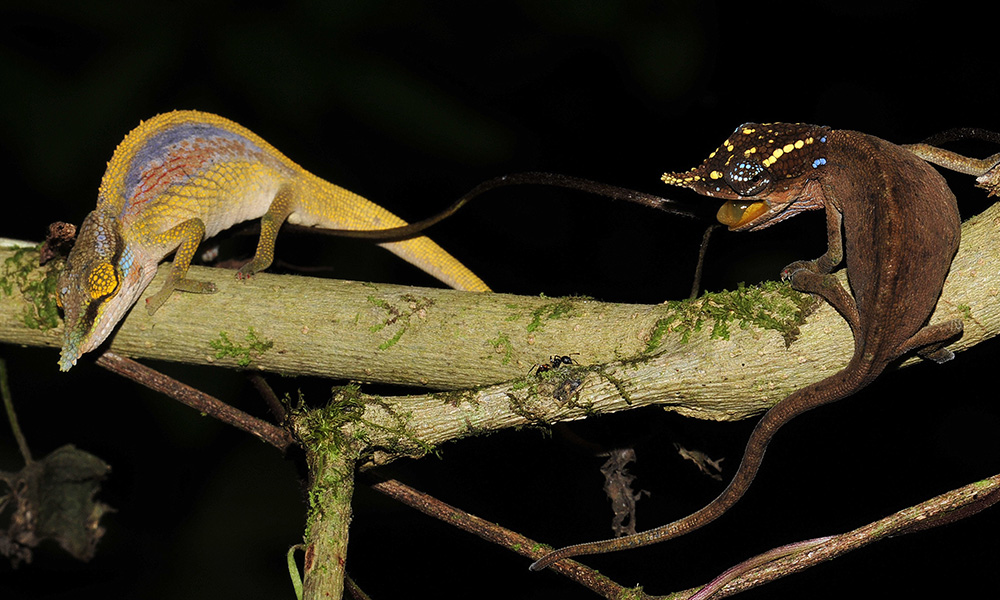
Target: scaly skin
<point>186,175</point>
<point>900,228</point>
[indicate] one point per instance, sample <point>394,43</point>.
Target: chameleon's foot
<point>806,266</point>
<point>990,181</point>
<point>941,355</point>
<point>806,277</point>
<point>154,302</point>
<point>194,286</point>
<point>248,270</point>
<point>930,341</point>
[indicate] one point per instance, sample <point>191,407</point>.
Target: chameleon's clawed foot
<point>789,272</point>
<point>941,355</point>
<point>194,286</point>
<point>154,302</point>
<point>990,181</point>
<point>254,266</point>
<point>930,341</point>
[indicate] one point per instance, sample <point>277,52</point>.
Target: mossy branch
<point>723,356</point>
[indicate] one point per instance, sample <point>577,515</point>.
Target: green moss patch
<point>772,305</point>
<point>37,286</point>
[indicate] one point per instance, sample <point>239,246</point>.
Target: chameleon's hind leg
<point>986,170</point>
<point>953,160</point>
<point>187,235</point>
<point>270,223</point>
<point>930,340</point>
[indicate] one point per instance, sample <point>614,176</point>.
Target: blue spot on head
<point>823,139</point>
<point>818,162</point>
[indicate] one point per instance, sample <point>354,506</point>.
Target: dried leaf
<point>53,498</point>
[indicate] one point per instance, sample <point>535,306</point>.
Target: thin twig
<point>270,398</point>
<point>498,535</point>
<point>8,402</point>
<point>696,284</point>
<point>352,587</point>
<point>774,564</point>
<point>196,399</point>
<point>796,548</point>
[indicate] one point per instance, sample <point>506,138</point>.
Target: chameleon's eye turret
<point>103,280</point>
<point>747,176</point>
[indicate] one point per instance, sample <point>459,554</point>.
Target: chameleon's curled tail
<point>831,389</point>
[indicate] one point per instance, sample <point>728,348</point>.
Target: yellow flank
<point>252,179</point>
<point>186,175</point>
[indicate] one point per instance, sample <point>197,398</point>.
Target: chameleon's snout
<point>67,360</point>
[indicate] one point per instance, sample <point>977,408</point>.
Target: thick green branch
<point>629,355</point>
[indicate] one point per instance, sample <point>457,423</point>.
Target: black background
<point>412,105</point>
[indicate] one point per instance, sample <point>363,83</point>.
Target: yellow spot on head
<point>748,130</point>
<point>729,147</point>
<point>788,148</point>
<point>777,153</point>
<point>715,174</point>
<point>799,144</point>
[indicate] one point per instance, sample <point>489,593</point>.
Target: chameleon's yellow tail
<point>426,255</point>
<point>329,206</point>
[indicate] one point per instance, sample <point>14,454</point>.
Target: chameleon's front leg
<point>188,236</point>
<point>814,276</point>
<point>270,223</point>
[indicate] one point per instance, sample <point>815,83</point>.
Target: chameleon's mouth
<point>737,213</point>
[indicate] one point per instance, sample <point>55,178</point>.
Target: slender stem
<point>356,592</point>
<point>8,402</point>
<point>196,399</point>
<point>696,284</point>
<point>774,564</point>
<point>331,485</point>
<point>528,178</point>
<point>498,535</point>
<point>746,566</point>
<point>270,398</point>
